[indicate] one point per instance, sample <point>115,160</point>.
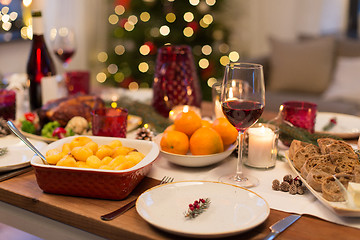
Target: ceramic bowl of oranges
<point>194,142</point>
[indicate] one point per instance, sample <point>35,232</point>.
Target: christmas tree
<point>140,27</point>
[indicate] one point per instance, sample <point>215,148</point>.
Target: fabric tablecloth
<point>284,201</point>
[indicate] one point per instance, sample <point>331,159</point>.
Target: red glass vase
<point>176,81</point>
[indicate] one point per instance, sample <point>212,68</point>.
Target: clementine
<point>206,141</point>
<point>227,131</point>
<point>174,142</point>
<point>205,123</point>
<point>171,127</point>
<point>187,122</point>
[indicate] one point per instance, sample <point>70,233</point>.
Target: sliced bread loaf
<point>316,177</point>
<point>324,142</point>
<point>302,154</point>
<point>331,190</point>
<point>294,146</point>
<point>319,161</point>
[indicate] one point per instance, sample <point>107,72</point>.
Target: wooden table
<point>84,213</point>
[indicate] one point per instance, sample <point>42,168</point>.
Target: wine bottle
<point>40,64</point>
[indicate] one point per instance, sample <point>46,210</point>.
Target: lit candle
<point>182,108</point>
<point>261,147</point>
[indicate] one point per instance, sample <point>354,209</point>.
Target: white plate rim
<point>349,134</point>
<point>195,160</point>
<point>20,164</point>
<point>339,208</point>
<point>181,232</point>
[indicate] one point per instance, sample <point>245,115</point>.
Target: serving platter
<point>232,209</point>
<point>339,208</point>
<point>347,126</point>
<point>133,123</point>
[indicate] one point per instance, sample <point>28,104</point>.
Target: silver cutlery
<point>14,173</point>
<point>281,225</point>
<point>26,141</point>
<point>118,212</point>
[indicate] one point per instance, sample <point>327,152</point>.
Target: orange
<point>205,123</point>
<point>171,127</point>
<point>174,142</point>
<point>187,122</point>
<point>227,131</point>
<point>206,141</point>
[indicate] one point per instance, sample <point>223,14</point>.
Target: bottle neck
<point>37,25</point>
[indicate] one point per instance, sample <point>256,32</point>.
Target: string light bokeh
<point>140,27</point>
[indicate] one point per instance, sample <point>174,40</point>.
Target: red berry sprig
<point>198,207</point>
<point>330,124</point>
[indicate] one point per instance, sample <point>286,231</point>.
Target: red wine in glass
<point>242,100</point>
<point>64,55</point>
<point>242,114</point>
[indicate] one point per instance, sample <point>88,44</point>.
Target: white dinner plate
<point>347,126</point>
<point>18,154</point>
<point>232,210</point>
<point>189,160</point>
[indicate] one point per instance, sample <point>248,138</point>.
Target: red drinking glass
<point>7,104</point>
<point>300,114</point>
<point>77,82</point>
<point>176,81</point>
<point>109,122</point>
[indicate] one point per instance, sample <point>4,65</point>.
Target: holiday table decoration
<point>175,81</point>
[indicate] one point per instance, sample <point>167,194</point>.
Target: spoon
<point>26,141</point>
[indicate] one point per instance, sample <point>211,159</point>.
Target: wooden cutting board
<point>84,213</point>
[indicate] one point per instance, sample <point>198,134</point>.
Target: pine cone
<point>276,185</point>
<point>144,134</point>
<point>297,181</point>
<point>293,189</point>
<point>300,190</point>
<point>288,178</point>
<point>284,186</point>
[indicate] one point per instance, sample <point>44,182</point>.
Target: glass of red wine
<point>63,44</point>
<point>242,101</point>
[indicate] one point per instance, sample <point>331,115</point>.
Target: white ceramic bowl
<point>195,160</point>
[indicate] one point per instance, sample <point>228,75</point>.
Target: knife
<point>281,225</point>
<point>14,173</point>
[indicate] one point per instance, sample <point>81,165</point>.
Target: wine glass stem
<point>239,172</point>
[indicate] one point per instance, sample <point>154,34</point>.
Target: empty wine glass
<point>63,44</point>
<point>242,100</point>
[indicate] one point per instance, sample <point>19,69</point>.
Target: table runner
<point>301,204</point>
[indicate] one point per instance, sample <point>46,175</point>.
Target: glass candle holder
<point>216,92</point>
<point>109,122</point>
<point>262,145</point>
<point>300,114</point>
<point>175,81</point>
<point>77,82</point>
<point>7,104</point>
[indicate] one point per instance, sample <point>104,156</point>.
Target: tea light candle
<point>182,108</point>
<point>260,149</point>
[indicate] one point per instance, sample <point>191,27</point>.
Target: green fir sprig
<point>196,208</point>
<point>3,151</point>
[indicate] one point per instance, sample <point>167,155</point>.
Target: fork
<point>118,212</point>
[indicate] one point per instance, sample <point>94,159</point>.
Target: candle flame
<point>186,108</point>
